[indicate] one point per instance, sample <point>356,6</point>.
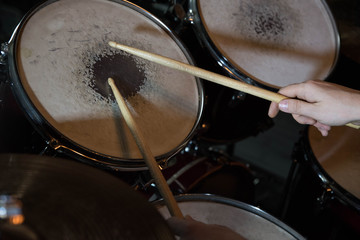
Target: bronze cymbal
<point>63,199</point>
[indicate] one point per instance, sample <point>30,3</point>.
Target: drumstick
<point>202,73</point>
<point>147,154</point>
<point>207,75</point>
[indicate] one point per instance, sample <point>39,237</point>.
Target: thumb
<point>295,106</point>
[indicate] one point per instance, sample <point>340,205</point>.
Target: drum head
<point>275,43</point>
<point>339,155</point>
<point>250,222</point>
<point>63,61</point>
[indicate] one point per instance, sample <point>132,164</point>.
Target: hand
<point>189,229</point>
<point>319,103</point>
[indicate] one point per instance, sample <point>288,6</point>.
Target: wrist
<point>355,113</point>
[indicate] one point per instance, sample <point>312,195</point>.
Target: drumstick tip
<point>110,81</point>
<point>112,44</point>
<point>119,46</point>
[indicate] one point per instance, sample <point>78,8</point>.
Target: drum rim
<point>234,203</point>
<point>232,70</point>
<point>339,192</point>
<point>54,137</point>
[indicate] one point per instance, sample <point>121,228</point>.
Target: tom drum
<point>269,44</point>
<point>324,185</point>
<point>59,63</point>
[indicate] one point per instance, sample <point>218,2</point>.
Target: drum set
<point>56,102</point>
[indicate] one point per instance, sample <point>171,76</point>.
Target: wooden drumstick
<point>147,154</point>
<point>207,75</point>
<point>202,73</point>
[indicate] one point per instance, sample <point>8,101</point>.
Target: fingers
<point>298,108</point>
<point>293,104</point>
<point>303,90</point>
<point>323,128</point>
<point>303,119</point>
<point>273,109</point>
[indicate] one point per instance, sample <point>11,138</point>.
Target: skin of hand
<point>319,103</point>
<point>189,229</point>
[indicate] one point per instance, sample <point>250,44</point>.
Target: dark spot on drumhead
<point>268,24</point>
<point>123,69</point>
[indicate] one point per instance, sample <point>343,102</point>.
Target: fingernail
<point>283,105</point>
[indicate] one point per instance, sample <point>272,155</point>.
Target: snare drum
<point>250,222</point>
<point>60,60</point>
<point>324,186</point>
<point>268,43</point>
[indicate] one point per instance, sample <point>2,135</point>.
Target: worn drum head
<point>63,61</point>
<point>339,155</point>
<point>275,43</point>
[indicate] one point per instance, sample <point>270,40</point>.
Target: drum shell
<point>210,174</point>
<point>314,195</point>
<point>54,138</point>
<point>205,173</point>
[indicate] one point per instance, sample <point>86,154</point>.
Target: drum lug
<point>54,144</point>
<point>179,11</point>
<point>163,164</point>
<point>325,197</point>
<point>192,148</point>
<point>190,17</point>
<point>4,49</point>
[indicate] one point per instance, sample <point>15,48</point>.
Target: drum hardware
<point>4,48</point>
<point>326,196</point>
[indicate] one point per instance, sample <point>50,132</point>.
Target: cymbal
<point>63,199</point>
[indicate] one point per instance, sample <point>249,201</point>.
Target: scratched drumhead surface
<point>276,42</point>
<point>249,225</point>
<point>339,155</point>
<point>64,62</point>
